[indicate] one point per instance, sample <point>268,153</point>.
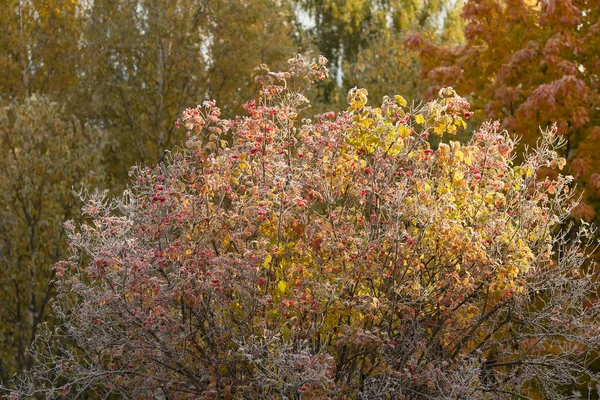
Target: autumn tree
<point>129,67</point>
<point>46,154</point>
<point>365,42</point>
<point>38,48</point>
<point>385,64</point>
<point>336,257</point>
<point>245,34</point>
<point>526,64</point>
<point>147,60</point>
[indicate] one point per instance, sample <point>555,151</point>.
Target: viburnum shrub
<point>342,256</point>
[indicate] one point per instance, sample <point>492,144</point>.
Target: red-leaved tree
<point>528,63</point>
<point>334,257</point>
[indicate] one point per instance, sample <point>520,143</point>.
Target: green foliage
<point>365,42</point>
<point>247,34</point>
<point>46,154</point>
<point>145,60</point>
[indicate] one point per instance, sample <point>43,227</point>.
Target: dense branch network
<point>343,256</point>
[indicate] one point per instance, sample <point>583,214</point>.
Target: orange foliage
<point>529,64</point>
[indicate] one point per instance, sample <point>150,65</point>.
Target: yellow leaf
<point>400,100</point>
<point>468,159</point>
<point>444,150</point>
<point>561,163</point>
<point>366,123</point>
<point>357,98</point>
<point>404,131</point>
<point>282,286</point>
<point>243,165</point>
<point>423,187</point>
<point>459,154</point>
<point>267,262</point>
<point>419,119</point>
<point>439,129</point>
<point>458,177</point>
<point>459,122</point>
<point>280,251</point>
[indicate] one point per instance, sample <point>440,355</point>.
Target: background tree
<point>527,64</point>
<point>46,154</point>
<point>335,257</point>
<point>39,48</point>
<point>145,60</point>
<point>41,162</point>
<point>364,41</point>
<point>246,34</point>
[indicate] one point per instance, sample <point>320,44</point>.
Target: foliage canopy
<point>527,64</point>
<point>44,154</point>
<point>335,257</point>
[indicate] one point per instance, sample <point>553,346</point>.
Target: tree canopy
<point>45,153</point>
<point>529,64</point>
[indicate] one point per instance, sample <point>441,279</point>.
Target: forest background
<point>90,88</point>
